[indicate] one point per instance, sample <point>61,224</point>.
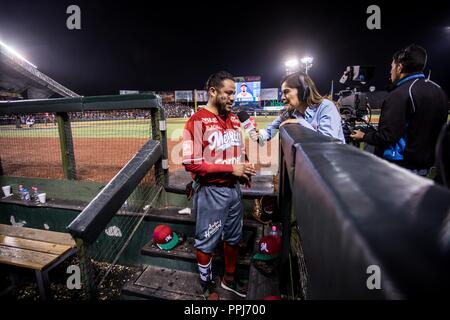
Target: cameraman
<point>411,115</point>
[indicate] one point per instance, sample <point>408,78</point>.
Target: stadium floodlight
<point>291,65</point>
<point>15,53</point>
<point>307,62</point>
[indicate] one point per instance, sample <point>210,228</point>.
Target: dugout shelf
<point>171,215</point>
<point>262,185</point>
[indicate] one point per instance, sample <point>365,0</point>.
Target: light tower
<point>307,63</point>
<point>292,65</point>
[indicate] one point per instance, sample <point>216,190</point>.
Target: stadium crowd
<point>171,111</point>
<point>110,115</point>
<point>176,110</point>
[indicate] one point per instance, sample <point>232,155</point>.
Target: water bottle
<point>21,192</point>
<point>26,194</point>
<point>273,231</point>
<point>125,206</point>
<point>35,195</point>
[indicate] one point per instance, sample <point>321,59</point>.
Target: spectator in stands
<point>29,121</point>
<point>176,110</point>
<point>49,117</point>
<point>18,122</point>
<point>411,116</point>
<point>306,107</point>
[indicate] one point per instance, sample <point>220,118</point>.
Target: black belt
<point>221,185</point>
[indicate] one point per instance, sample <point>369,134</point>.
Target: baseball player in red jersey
<point>213,151</point>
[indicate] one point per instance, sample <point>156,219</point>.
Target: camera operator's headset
<point>404,54</point>
<point>401,57</point>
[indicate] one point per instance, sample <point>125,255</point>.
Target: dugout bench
<point>35,249</point>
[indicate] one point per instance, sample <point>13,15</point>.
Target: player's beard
<point>221,103</point>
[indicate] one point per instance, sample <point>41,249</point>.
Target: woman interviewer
<point>306,107</point>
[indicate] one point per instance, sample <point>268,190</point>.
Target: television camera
<point>353,103</point>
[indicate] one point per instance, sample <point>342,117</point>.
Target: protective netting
<point>29,146</point>
<point>104,141</point>
<point>97,143</point>
<point>113,241</point>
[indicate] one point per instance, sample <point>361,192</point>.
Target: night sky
<point>168,46</point>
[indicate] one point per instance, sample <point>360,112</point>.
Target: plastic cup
<point>7,190</point>
<point>41,197</point>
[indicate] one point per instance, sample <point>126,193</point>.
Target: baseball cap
<point>164,237</point>
<point>243,84</point>
<point>269,248</point>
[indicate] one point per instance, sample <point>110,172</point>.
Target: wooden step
<point>262,185</point>
<point>186,252</point>
<point>261,285</point>
<point>169,284</point>
<point>171,215</point>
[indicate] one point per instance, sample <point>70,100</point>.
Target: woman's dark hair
<point>305,87</point>
<point>215,80</point>
<point>413,58</point>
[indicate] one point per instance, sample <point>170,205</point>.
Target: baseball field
<point>101,148</point>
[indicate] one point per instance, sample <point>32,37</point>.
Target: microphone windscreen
<point>243,116</point>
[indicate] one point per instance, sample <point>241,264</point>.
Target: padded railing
<point>358,214</point>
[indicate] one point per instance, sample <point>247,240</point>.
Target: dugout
<point>342,211</point>
<point>110,201</point>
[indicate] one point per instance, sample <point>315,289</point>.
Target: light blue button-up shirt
<point>324,118</point>
<point>272,129</point>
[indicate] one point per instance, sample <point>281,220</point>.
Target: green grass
<point>114,129</point>
<point>175,126</point>
<point>107,129</point>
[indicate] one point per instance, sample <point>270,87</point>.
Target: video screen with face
<point>248,91</point>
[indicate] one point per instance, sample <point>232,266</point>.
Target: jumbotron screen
<point>248,91</point>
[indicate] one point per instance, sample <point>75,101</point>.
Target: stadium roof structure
<point>20,79</point>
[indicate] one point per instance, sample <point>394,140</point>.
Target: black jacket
<point>417,107</point>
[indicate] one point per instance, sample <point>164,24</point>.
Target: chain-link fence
<point>29,146</point>
<point>91,140</point>
<point>111,244</point>
<point>104,141</point>
<point>104,229</point>
<point>100,143</point>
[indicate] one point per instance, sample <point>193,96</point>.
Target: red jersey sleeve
<point>193,159</point>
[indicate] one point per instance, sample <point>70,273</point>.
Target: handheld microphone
<point>244,118</point>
